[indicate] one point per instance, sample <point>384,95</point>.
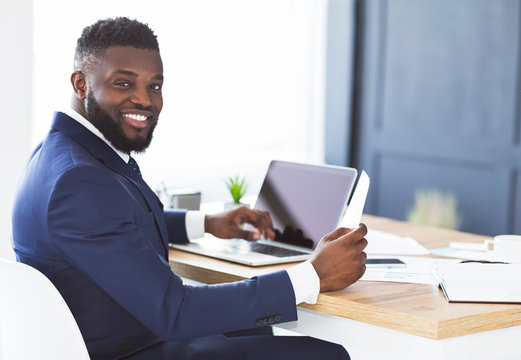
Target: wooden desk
<point>420,310</point>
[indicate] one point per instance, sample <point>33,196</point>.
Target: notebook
<point>480,282</point>
<point>305,202</point>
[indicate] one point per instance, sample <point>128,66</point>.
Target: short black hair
<point>120,31</point>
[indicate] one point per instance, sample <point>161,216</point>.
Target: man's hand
<point>228,224</point>
<point>339,258</point>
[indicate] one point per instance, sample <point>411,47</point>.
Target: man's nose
<point>141,97</point>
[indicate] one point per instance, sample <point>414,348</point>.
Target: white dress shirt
<point>303,277</point>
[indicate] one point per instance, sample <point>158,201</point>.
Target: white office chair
<point>35,321</point>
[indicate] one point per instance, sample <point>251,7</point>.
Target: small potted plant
<point>237,187</point>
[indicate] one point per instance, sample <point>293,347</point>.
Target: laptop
<point>305,202</point>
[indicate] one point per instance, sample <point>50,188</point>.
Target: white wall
<point>16,31</point>
<point>243,83</point>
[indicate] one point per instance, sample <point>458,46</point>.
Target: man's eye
<point>123,83</point>
<point>155,87</point>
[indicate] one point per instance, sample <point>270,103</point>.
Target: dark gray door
<point>437,106</point>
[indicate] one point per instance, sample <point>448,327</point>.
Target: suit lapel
<point>101,151</point>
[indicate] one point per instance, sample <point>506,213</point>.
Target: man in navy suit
<point>85,217</point>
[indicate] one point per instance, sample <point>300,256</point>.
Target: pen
<point>482,261</point>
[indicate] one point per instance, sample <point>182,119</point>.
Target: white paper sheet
<point>462,254</point>
<point>380,242</point>
<point>354,211</point>
<point>418,270</point>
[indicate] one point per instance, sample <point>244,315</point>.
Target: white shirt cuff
<point>305,281</point>
<point>194,223</point>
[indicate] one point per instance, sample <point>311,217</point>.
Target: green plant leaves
<point>237,187</point>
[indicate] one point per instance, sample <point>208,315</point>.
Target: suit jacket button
<point>271,320</point>
<point>259,322</point>
<point>278,318</point>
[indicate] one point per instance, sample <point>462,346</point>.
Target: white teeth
<point>136,117</point>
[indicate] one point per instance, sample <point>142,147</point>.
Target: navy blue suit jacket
<point>99,233</point>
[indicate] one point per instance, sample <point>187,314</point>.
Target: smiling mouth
<point>136,117</point>
<point>138,120</point>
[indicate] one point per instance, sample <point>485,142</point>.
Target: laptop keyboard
<point>274,250</point>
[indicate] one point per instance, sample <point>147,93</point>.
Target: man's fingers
<point>360,231</point>
<point>355,235</point>
<point>361,244</point>
<point>249,235</point>
<point>261,220</point>
<point>363,257</point>
<point>337,233</point>
<point>362,270</point>
<point>342,232</point>
<point>269,232</point>
<point>265,215</point>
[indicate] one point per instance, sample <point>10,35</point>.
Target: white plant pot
<point>232,205</point>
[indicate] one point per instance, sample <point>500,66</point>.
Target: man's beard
<point>113,131</point>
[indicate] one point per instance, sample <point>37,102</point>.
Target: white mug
<point>505,248</point>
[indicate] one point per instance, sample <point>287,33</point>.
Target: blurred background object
<point>178,198</point>
<point>185,199</point>
<point>435,208</point>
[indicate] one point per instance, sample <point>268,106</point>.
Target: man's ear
<point>79,84</point>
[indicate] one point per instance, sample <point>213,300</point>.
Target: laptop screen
<point>305,202</point>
